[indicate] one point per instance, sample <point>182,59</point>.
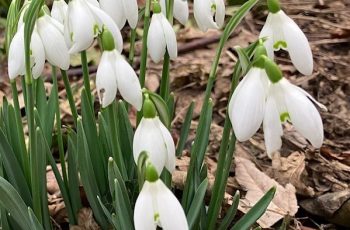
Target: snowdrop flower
<point>289,102</point>
<point>157,205</point>
<point>283,33</point>
<point>209,14</point>
<point>161,36</point>
<point>59,10</point>
<point>181,11</point>
<point>114,73</point>
<point>153,137</point>
<point>121,10</point>
<point>42,47</point>
<point>85,20</point>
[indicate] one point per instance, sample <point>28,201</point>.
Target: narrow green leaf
<point>12,201</point>
<point>231,213</point>
<point>73,179</point>
<point>162,108</point>
<point>196,204</point>
<point>109,216</point>
<point>87,175</point>
<point>34,221</point>
<point>126,135</point>
<point>121,207</point>
<point>185,130</point>
<point>98,162</point>
<point>243,58</point>
<point>13,170</point>
<point>171,105</point>
<point>255,212</point>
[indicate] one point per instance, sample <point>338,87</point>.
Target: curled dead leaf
<point>257,183</point>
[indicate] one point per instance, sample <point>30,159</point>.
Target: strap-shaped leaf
<point>197,202</point>
<point>231,213</point>
<point>255,212</point>
<point>243,58</point>
<point>185,130</point>
<point>12,201</point>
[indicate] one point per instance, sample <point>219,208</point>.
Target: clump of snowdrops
<point>126,173</point>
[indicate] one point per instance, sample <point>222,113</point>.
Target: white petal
<point>81,25</point>
<point>163,6</point>
<point>203,15</point>
<point>220,13</point>
<point>272,127</point>
<point>247,105</point>
<point>170,37</point>
<point>55,49</point>
<point>144,212</point>
<point>128,83</point>
<point>115,9</point>
<point>131,12</point>
<point>38,55</point>
<point>171,213</point>
<point>59,10</point>
<point>170,146</point>
<point>303,114</point>
<point>267,33</point>
<point>181,11</point>
<point>106,82</point>
<point>297,45</point>
<point>16,63</point>
<point>148,137</point>
<point>156,41</point>
<point>104,19</point>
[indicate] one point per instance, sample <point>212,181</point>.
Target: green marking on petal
<point>156,217</point>
<point>279,45</point>
<point>213,7</point>
<point>71,36</point>
<point>284,117</point>
<point>96,30</point>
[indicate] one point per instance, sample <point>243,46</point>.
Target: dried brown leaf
<point>257,184</point>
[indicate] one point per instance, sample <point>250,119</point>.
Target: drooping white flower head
<point>247,104</point>
<point>85,20</point>
<point>181,11</point>
<point>283,33</point>
<point>161,37</point>
<point>42,47</point>
<point>209,14</point>
<point>289,102</point>
<point>121,10</point>
<point>157,205</point>
<point>59,10</point>
<point>154,138</point>
<point>114,73</point>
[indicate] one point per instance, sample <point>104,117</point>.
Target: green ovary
<point>280,44</point>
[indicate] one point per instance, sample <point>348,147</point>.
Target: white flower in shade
<point>157,205</point>
<point>114,73</point>
<point>154,138</point>
<point>283,33</point>
<point>288,102</point>
<point>85,20</point>
<point>121,10</point>
<point>42,47</point>
<point>181,11</point>
<point>209,14</point>
<point>59,10</point>
<point>247,104</point>
<point>161,37</point>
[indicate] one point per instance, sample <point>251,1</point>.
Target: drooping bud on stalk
<point>274,6</point>
<point>107,40</point>
<point>149,110</point>
<point>273,71</point>
<point>151,173</point>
